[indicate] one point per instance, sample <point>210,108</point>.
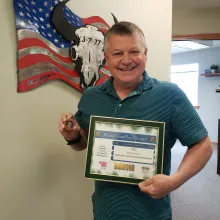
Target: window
<point>186,77</point>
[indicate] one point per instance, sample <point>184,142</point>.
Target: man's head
<point>125,52</point>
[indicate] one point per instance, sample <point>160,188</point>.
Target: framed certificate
<point>124,150</point>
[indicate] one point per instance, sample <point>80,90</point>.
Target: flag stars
<point>34,11</point>
<point>48,25</point>
<point>51,8</point>
<point>49,35</point>
<point>40,9</point>
<point>45,3</point>
<point>42,27</point>
<point>30,22</point>
<point>41,19</point>
<point>62,45</point>
<point>35,19</point>
<point>20,5</point>
<point>56,2</point>
<point>36,24</point>
<point>54,30</point>
<point>22,24</point>
<point>56,41</point>
<point>28,15</point>
<point>21,14</point>
<point>27,8</point>
<point>47,15</point>
<point>33,3</point>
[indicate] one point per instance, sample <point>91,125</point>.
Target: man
<point>131,93</point>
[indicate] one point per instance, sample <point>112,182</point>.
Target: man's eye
<point>117,54</point>
<point>135,51</point>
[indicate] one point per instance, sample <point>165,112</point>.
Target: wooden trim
<point>196,107</point>
<point>213,36</point>
<point>210,74</point>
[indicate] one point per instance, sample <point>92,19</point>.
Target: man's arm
<point>195,158</point>
<point>82,144</point>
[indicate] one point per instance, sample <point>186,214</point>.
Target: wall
<point>208,99</point>
<point>42,178</point>
<point>195,21</point>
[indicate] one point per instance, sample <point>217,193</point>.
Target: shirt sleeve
<point>78,114</point>
<point>185,121</point>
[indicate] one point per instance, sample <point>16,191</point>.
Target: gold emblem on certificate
<point>124,150</point>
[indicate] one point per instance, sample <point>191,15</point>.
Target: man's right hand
<point>69,135</point>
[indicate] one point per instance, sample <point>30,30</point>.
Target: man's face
<point>126,58</point>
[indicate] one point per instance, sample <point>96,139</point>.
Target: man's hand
<point>158,186</point>
<point>72,134</point>
<point>194,160</point>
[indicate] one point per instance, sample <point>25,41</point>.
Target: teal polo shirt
<point>155,101</point>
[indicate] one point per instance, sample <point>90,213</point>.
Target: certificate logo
<point>145,169</point>
<point>122,166</point>
<point>103,164</point>
<point>97,134</point>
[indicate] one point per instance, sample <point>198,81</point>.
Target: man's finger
<point>69,116</point>
<point>61,124</point>
<point>145,183</point>
<point>146,190</point>
<point>63,117</point>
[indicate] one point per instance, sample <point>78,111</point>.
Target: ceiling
<point>187,46</point>
<point>196,4</point>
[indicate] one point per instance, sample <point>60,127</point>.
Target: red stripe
<point>39,58</point>
<point>34,42</point>
<point>40,79</point>
<point>23,85</point>
<point>94,19</point>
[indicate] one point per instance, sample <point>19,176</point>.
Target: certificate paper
<point>124,150</point>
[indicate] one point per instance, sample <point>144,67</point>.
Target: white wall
<point>42,178</point>
<point>208,99</point>
<point>195,21</point>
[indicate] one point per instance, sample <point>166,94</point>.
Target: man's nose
<point>126,60</point>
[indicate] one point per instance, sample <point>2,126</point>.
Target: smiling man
<point>131,93</point>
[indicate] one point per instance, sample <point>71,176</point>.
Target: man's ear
<point>145,51</point>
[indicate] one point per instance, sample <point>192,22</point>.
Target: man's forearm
<point>194,160</point>
<point>82,144</point>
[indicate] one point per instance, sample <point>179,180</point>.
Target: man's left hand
<point>158,186</point>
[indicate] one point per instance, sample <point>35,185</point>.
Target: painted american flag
<point>43,54</point>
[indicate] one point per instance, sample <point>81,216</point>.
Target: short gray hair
<point>124,28</point>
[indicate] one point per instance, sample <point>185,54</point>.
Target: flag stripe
<point>38,58</point>
<point>38,50</point>
<point>39,68</point>
<point>26,34</point>
<point>42,78</point>
<point>26,43</point>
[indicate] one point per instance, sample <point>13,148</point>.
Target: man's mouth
<point>127,69</point>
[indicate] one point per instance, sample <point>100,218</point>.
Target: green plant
<point>214,67</point>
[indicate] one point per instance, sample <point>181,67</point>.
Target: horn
<point>115,19</point>
<point>61,24</point>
